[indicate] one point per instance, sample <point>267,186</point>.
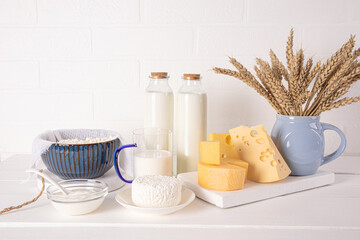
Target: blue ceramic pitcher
<point>300,141</point>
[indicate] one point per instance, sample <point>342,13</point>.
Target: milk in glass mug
<point>152,153</point>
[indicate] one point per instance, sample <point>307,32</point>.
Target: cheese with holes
<point>210,152</point>
<point>256,147</point>
<point>228,176</point>
<point>227,149</point>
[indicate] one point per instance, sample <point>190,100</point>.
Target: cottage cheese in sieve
<point>155,191</point>
<point>86,141</point>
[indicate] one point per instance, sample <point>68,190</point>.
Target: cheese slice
<point>256,147</point>
<point>227,149</point>
<point>210,152</point>
<point>228,176</point>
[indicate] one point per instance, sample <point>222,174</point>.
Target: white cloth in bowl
<point>43,141</point>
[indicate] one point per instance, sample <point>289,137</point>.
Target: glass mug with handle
<point>152,153</point>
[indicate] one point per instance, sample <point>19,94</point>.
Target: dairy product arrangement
<point>223,163</point>
<point>191,111</point>
<point>227,160</point>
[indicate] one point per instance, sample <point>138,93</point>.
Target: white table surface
<point>331,212</point>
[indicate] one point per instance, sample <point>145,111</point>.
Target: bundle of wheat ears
<point>301,89</point>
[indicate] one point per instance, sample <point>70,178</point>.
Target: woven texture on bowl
<point>84,161</point>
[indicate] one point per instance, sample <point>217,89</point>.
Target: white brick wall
<point>149,41</point>
<point>44,42</point>
<point>319,40</point>
<point>192,12</point>
<point>87,12</point>
<point>45,106</point>
<point>89,75</point>
<point>85,63</point>
<point>18,12</point>
<point>12,78</point>
<point>286,12</point>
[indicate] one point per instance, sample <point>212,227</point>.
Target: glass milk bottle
<point>191,122</point>
<point>159,102</point>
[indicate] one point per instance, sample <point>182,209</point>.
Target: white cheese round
<point>155,191</point>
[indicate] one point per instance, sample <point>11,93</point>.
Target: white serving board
<point>253,192</point>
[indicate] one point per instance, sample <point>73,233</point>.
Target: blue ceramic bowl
<point>84,161</point>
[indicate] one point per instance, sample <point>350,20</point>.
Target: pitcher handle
<point>341,148</point>
<point>116,165</point>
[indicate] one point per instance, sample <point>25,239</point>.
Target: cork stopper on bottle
<point>191,76</point>
<point>159,75</point>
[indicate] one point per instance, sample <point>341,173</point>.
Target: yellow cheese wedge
<point>228,176</point>
<point>210,152</point>
<point>227,149</point>
<point>256,147</point>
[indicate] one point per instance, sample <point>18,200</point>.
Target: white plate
<point>124,199</point>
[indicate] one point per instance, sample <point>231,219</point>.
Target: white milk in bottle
<point>191,122</point>
<point>159,102</point>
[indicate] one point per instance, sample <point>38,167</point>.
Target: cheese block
<point>256,147</point>
<point>228,176</point>
<point>210,152</point>
<point>227,149</point>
